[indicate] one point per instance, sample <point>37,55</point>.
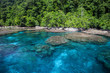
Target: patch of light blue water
<point>73,57</point>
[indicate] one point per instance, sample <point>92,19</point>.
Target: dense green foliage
<point>56,13</point>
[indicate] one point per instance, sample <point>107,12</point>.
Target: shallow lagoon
<point>17,55</point>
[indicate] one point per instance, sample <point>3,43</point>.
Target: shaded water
<point>16,55</point>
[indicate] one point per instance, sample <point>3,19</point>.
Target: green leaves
<point>105,21</point>
<point>59,19</point>
<point>56,13</point>
<point>28,21</point>
<point>1,22</point>
<point>53,19</point>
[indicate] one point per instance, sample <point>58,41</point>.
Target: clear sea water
<point>16,55</point>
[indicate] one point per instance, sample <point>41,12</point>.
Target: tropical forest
<point>56,13</point>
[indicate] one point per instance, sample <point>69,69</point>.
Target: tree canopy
<point>56,13</point>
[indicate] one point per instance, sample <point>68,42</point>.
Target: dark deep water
<point>17,55</point>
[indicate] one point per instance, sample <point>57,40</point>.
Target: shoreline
<point>13,29</point>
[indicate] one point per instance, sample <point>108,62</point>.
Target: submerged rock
<point>104,57</point>
<point>7,49</point>
<point>98,32</point>
<point>56,40</point>
<point>43,50</point>
<point>107,34</point>
<point>83,37</point>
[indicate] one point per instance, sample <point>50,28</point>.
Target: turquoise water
<point>17,55</point>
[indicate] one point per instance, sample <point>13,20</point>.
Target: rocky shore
<point>97,32</point>
<point>14,29</point>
